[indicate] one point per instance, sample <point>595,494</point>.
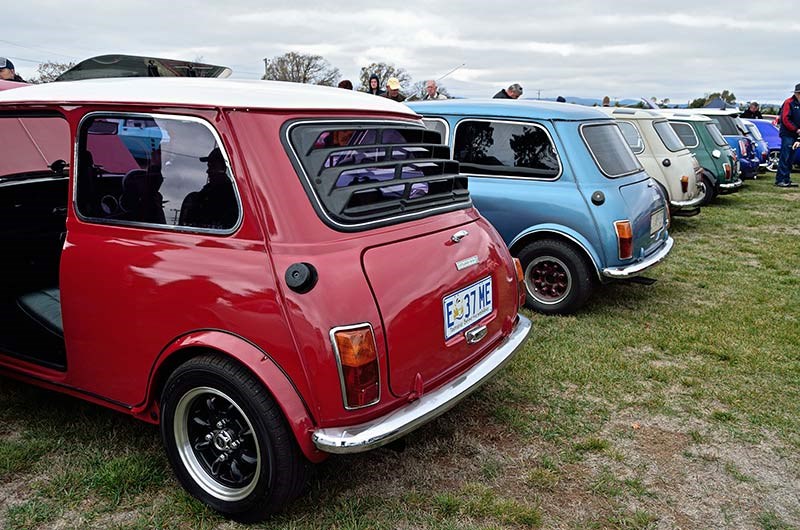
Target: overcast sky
<point>625,49</point>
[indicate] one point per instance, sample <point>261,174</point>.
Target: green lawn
<point>663,406</point>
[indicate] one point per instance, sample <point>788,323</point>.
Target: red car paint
<point>137,301</point>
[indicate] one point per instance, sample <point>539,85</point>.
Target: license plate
<point>656,221</point>
<point>465,307</point>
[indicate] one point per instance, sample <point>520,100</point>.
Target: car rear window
<point>716,134</point>
<point>686,133</point>
<point>365,174</point>
<point>727,126</point>
<point>668,136</point>
<point>754,131</point>
<point>610,150</point>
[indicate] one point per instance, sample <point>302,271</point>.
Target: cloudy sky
<point>625,49</point>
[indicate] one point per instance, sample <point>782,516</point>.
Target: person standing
<point>752,112</point>
<point>790,124</point>
<point>512,92</point>
<point>7,72</point>
<point>374,86</point>
<point>432,91</point>
<point>393,90</point>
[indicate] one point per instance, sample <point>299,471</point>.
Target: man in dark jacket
<point>512,92</point>
<point>374,86</point>
<point>752,112</point>
<point>7,72</point>
<point>789,118</point>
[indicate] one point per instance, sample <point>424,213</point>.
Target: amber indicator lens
<point>624,239</point>
<point>684,184</point>
<point>520,281</point>
<point>359,362</point>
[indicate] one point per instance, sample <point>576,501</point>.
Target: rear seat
<point>45,308</point>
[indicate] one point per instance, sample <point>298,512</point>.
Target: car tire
<point>708,190</point>
<point>227,440</point>
<point>558,279</point>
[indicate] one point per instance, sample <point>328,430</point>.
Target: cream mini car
<point>663,156</point>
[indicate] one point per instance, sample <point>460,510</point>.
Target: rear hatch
<point>440,292</point>
<point>445,295</point>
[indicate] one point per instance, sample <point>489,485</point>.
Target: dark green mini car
<point>703,138</point>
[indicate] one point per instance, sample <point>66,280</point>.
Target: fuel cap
<point>598,198</point>
<point>301,277</point>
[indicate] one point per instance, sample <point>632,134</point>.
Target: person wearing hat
<point>374,86</point>
<point>215,205</point>
<point>789,128</point>
<point>752,112</point>
<point>512,92</point>
<point>7,72</point>
<point>393,90</point>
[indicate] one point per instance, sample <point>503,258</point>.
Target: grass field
<point>675,405</point>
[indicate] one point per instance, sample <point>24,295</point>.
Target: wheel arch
<point>255,360</point>
<point>562,234</point>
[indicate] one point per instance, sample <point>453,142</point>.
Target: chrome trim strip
<point>636,268</point>
<point>399,422</point>
<point>735,185</point>
<point>332,335</point>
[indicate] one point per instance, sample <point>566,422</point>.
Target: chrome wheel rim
<point>217,444</point>
<point>548,280</point>
<point>772,161</point>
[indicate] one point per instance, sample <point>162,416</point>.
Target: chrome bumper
<point>691,203</point>
<point>636,268</point>
<point>398,423</point>
<point>730,186</point>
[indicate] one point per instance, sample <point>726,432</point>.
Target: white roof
<point>681,114</point>
<point>203,92</point>
<point>627,113</point>
<point>714,112</point>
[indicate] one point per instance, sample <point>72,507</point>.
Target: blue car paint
<point>523,207</point>
<point>771,135</point>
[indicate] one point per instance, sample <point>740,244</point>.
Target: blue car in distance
<point>564,190</point>
<point>769,133</point>
<point>734,132</point>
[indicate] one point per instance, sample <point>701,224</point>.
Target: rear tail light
<point>743,147</point>
<point>727,171</point>
<point>357,357</point>
<point>684,184</point>
<point>624,239</point>
<point>763,157</point>
<point>520,282</point>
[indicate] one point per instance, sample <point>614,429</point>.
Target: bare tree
<point>301,68</point>
<point>384,71</point>
<point>49,71</point>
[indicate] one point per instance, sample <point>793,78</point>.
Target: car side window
<point>632,136</point>
<point>499,148</point>
<point>168,171</point>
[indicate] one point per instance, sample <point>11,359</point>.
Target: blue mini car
<point>759,144</point>
<point>564,190</point>
<point>769,133</point>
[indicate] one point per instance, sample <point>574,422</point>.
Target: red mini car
<point>272,272</point>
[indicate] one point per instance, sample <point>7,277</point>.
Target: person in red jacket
<point>789,127</point>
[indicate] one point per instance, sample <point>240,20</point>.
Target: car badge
<point>464,263</point>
